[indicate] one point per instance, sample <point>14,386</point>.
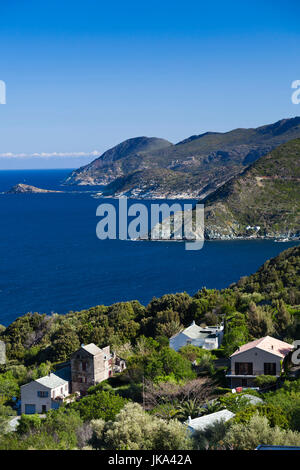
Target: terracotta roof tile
<point>269,344</point>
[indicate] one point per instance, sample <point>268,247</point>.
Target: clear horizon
<point>82,78</point>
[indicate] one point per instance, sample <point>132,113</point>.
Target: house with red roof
<point>263,356</point>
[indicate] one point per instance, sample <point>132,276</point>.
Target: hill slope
<point>118,161</point>
<point>265,195</point>
<point>194,167</point>
<point>278,276</point>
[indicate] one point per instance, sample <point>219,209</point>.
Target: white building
<point>207,338</point>
<point>46,393</point>
<point>203,422</point>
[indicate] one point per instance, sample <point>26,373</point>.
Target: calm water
<point>52,261</point>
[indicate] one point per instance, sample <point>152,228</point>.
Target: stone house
<point>90,365</point>
<point>209,337</point>
<point>263,356</point>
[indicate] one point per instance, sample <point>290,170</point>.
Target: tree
<point>100,405</point>
<point>64,342</point>
<point>260,322</point>
<point>134,429</point>
<point>8,387</point>
<point>283,317</point>
<point>29,423</point>
<point>189,408</point>
<point>167,361</point>
<point>247,436</point>
<point>274,414</point>
<point>6,412</point>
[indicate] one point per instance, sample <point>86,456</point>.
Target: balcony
<point>254,373</point>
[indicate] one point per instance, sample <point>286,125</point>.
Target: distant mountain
<point>195,167</point>
<point>118,161</point>
<point>262,201</point>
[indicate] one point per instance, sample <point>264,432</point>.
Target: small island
<point>26,188</point>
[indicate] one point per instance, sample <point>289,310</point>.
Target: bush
<point>274,414</point>
<point>99,405</point>
<point>29,423</point>
<point>258,431</point>
<point>262,381</point>
<point>134,429</point>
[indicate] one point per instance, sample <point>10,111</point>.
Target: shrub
<point>273,413</point>
<point>258,431</point>
<point>99,405</point>
<point>134,429</point>
<point>262,381</point>
<point>29,423</point>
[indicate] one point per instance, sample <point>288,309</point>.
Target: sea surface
<point>52,261</point>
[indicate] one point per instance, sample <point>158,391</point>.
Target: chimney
<point>189,419</point>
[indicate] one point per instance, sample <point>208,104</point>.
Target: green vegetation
<point>147,405</point>
<point>267,195</point>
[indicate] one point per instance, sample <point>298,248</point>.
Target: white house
<point>263,356</point>
<point>46,393</point>
<point>209,337</point>
<point>203,422</point>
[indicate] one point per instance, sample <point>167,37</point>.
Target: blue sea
<point>52,261</point>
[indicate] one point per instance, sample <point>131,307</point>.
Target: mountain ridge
<point>193,167</point>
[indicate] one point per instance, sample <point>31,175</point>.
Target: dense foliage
<point>147,405</point>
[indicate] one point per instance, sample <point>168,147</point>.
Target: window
<point>243,368</point>
<point>42,394</point>
<point>83,366</point>
<point>270,368</point>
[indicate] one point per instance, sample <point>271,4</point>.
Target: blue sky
<point>82,76</point>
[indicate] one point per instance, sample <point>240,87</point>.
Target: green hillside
<point>278,277</point>
<point>265,195</point>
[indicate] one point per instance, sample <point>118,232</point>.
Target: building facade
<point>260,357</point>
<point>90,365</point>
<point>44,394</point>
